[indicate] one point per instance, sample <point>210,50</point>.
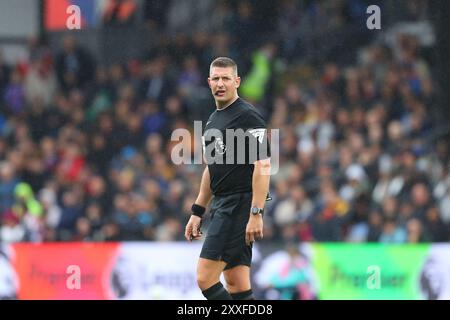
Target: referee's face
<point>223,83</point>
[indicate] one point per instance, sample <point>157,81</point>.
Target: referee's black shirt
<point>227,175</point>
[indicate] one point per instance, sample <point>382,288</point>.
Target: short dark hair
<point>224,62</point>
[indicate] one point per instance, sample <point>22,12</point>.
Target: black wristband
<point>198,210</point>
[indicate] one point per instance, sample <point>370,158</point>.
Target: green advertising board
<point>368,271</point>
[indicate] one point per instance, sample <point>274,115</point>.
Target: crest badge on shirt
<point>220,146</point>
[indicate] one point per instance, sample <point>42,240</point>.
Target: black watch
<point>256,210</point>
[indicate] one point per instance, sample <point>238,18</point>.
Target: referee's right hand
<point>192,231</point>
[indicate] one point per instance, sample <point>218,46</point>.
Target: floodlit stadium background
<point>361,202</point>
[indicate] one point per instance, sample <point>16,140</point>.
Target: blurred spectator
<point>74,65</point>
<point>255,83</point>
<point>49,199</point>
<point>244,26</point>
<point>83,231</point>
<point>155,85</point>
<point>298,207</point>
<point>4,74</point>
<point>420,196</point>
<point>287,275</point>
<point>329,216</point>
<point>11,230</point>
<point>133,217</point>
<point>40,82</point>
<point>30,211</point>
<point>8,182</point>
<point>395,234</point>
<point>71,164</point>
<point>437,231</point>
<point>416,232</point>
<point>375,224</point>
<point>14,94</point>
<point>222,16</point>
<point>71,210</point>
<point>445,208</point>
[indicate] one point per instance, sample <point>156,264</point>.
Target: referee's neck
<point>229,103</point>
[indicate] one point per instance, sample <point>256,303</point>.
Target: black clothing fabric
<point>225,239</point>
<point>217,292</point>
<point>230,159</point>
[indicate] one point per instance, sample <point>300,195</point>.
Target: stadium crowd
<point>85,148</point>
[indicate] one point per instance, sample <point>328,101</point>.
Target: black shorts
<point>225,238</point>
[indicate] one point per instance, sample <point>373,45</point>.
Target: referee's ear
<point>237,82</point>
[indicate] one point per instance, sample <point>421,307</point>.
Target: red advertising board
<point>44,271</point>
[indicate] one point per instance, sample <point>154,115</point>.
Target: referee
<point>239,189</point>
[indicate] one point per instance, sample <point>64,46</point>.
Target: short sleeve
<point>255,125</point>
<point>253,120</point>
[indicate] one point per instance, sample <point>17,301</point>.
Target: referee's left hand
<point>254,230</point>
